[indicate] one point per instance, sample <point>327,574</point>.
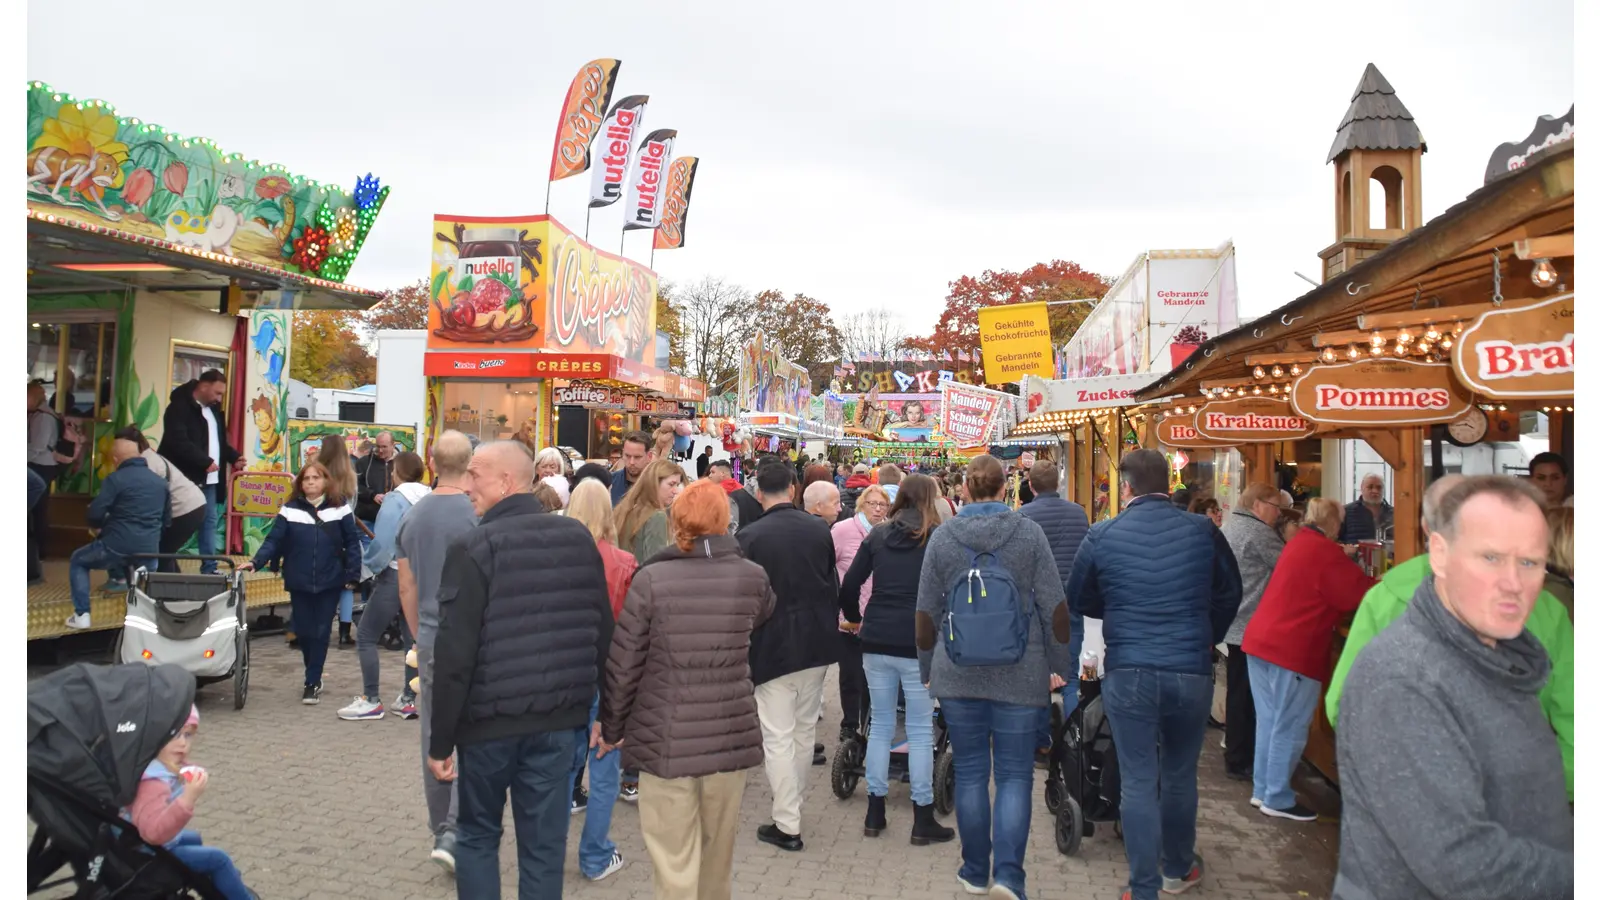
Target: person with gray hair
<point>1387,601</point>
<point>822,500</point>
<point>1448,767</point>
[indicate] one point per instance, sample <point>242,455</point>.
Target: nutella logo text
<point>652,158</point>
<point>485,266</point>
<point>1332,396</point>
<point>1504,359</point>
<point>619,137</point>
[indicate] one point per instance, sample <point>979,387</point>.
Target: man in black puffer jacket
<point>1064,523</point>
<point>194,437</point>
<point>524,631</point>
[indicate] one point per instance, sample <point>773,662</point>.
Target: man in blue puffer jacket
<point>1167,587</point>
<point>1065,524</point>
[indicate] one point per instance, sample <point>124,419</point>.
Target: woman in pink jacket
<point>872,509</point>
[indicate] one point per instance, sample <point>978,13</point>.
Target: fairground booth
<point>152,257</point>
<point>1435,347</point>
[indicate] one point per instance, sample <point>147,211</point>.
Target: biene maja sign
<point>1177,430</point>
<point>1378,392</point>
<point>1252,420</point>
<point>1523,352</point>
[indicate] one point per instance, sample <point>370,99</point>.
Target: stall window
<point>189,360</point>
<point>77,360</point>
<point>491,410</point>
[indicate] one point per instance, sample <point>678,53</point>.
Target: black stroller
<point>1084,787</point>
<point>92,730</point>
<point>850,759</point>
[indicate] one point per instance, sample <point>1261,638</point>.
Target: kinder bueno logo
<point>1184,298</point>
<point>1332,396</point>
<point>1504,359</point>
<point>474,365</point>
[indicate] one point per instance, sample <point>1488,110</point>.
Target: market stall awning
<point>605,369</point>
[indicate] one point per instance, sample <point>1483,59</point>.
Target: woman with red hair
<point>679,701</point>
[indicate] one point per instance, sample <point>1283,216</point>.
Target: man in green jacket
<point>1388,599</point>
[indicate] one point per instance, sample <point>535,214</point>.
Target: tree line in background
<point>709,321</point>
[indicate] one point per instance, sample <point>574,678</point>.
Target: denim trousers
<point>311,616</point>
<point>605,782</point>
<point>1285,703</point>
<point>977,728</point>
<point>206,540</point>
<point>91,556</point>
<point>382,609</point>
<point>886,676</point>
<point>536,769</point>
<point>1158,720</point>
<point>211,862</point>
<point>1069,694</point>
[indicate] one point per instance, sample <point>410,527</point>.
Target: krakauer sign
<point>1252,420</point>
<point>1378,392</point>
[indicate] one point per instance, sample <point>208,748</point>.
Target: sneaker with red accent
<point>406,707</point>
<point>362,709</point>
<point>1179,885</point>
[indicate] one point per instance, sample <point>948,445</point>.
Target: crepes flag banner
<point>967,415</point>
<point>622,125</point>
<point>675,203</point>
<point>1016,342</point>
<point>581,116</point>
<point>648,180</point>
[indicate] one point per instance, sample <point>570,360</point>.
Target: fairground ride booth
<point>519,306</point>
<point>153,257</point>
<point>1441,339</point>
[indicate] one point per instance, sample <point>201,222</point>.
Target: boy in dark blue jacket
<point>132,508</point>
<point>315,537</point>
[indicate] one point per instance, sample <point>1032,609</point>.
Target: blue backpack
<point>985,623</point>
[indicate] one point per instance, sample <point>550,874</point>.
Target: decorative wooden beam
<point>1286,359</point>
<point>1545,247</point>
<point>1435,316</point>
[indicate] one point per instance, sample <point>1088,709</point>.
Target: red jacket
<point>1312,586</point>
<point>620,566</point>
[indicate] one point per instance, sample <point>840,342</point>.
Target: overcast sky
<point>863,153</point>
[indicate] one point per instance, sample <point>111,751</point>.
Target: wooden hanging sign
<point>1177,430</point>
<point>1515,353</point>
<point>1252,420</point>
<point>1378,392</point>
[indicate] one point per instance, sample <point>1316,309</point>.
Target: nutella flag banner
<point>648,181</point>
<point>675,203</point>
<point>581,115</point>
<point>622,125</point>
<point>967,415</point>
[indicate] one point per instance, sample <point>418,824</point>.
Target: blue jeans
<point>93,555</point>
<point>1069,694</point>
<point>1285,703</point>
<point>36,488</point>
<point>976,726</point>
<point>886,675</point>
<point>311,616</point>
<point>1158,720</point>
<point>605,782</point>
<point>206,541</point>
<point>537,771</point>
<point>212,862</point>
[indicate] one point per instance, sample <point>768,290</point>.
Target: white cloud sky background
<point>864,153</point>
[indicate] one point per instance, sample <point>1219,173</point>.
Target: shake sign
<point>1523,352</point>
<point>649,178</point>
<point>1246,420</point>
<point>1378,392</point>
<point>966,416</point>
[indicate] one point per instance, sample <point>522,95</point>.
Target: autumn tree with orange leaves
<point>405,308</point>
<point>957,329</point>
<point>326,350</point>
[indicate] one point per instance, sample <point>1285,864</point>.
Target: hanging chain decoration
<point>1497,298</point>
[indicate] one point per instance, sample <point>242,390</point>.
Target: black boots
<point>345,640</point>
<point>877,821</point>
<point>926,829</point>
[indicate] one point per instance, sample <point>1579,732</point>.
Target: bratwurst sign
<point>1245,420</point>
<point>1378,392</point>
<point>1523,352</point>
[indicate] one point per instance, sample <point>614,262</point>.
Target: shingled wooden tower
<point>1378,141</point>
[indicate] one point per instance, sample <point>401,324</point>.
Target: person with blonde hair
<point>1558,569</point>
<point>1286,646</point>
<point>548,462</point>
<point>679,701</point>
<point>642,514</point>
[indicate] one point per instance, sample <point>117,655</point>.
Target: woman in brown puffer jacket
<point>678,698</point>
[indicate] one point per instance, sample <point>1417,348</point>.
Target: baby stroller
<point>92,730</point>
<point>1084,787</point>
<point>191,620</point>
<point>850,760</point>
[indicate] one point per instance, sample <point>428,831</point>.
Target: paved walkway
<point>313,807</point>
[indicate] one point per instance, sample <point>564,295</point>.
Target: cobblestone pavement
<point>312,807</point>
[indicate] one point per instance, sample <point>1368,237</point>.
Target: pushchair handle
<point>234,575</point>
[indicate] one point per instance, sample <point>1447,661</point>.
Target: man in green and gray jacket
<point>1388,599</point>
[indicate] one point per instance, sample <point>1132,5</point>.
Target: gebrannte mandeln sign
<point>1378,392</point>
<point>1522,352</point>
<point>1246,420</point>
<point>1177,430</point>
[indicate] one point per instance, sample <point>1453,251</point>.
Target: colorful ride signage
<point>1247,420</point>
<point>260,494</point>
<point>1378,392</point>
<point>1523,352</point>
<point>1177,430</point>
<point>968,414</point>
<point>1016,342</point>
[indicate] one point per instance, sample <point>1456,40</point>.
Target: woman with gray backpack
<point>991,595</point>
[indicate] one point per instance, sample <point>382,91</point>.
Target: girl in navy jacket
<point>314,537</point>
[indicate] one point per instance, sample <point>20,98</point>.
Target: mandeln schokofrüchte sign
<point>1177,430</point>
<point>1378,392</point>
<point>967,415</point>
<point>1523,352</point>
<point>1067,394</point>
<point>1247,420</point>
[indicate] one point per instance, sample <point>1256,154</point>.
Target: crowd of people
<point>646,635</point>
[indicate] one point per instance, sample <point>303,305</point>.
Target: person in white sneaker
<point>131,510</point>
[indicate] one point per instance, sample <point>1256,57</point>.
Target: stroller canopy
<point>94,729</point>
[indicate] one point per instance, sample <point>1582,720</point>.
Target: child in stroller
<point>165,803</point>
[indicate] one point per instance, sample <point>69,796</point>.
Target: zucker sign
<point>1378,392</point>
<point>1252,420</point>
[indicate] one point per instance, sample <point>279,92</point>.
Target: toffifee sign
<point>1177,430</point>
<point>1245,420</point>
<point>1523,352</point>
<point>1378,392</point>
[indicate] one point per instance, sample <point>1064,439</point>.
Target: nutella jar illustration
<point>490,258</point>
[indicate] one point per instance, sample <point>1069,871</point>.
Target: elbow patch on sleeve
<point>1061,623</point>
<point>924,631</point>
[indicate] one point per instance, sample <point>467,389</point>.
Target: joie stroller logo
<point>127,728</point>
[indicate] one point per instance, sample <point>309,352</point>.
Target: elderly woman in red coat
<point>1288,642</point>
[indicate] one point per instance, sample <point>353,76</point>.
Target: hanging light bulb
<point>1456,329</point>
<point>1424,347</point>
<point>1376,350</point>
<point>1277,371</point>
<point>1328,355</point>
<point>1403,337</point>
<point>1258,372</point>
<point>1378,341</point>
<point>1354,352</point>
<point>1272,389</point>
<point>1544,274</point>
<point>1430,333</point>
<point>1294,370</point>
<point>1400,349</point>
<point>1446,344</point>
<point>1257,390</point>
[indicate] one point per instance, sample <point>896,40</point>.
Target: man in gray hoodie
<point>993,707</point>
<point>1451,777</point>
